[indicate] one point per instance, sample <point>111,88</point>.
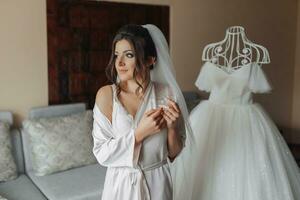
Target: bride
<point>134,137</point>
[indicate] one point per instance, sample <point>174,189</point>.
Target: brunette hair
<point>143,47</point>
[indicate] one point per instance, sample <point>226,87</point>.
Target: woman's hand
<point>151,123</point>
<point>171,114</point>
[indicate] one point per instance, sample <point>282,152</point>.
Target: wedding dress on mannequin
<point>240,154</point>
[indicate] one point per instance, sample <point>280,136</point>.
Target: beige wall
<point>23,56</point>
<point>194,23</point>
<point>296,90</point>
<point>269,23</point>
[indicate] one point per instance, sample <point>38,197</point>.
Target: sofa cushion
<point>8,168</point>
<point>21,188</point>
<point>75,184</point>
<point>2,198</point>
<point>60,143</point>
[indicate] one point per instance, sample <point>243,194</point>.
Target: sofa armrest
<point>6,116</point>
<point>192,99</point>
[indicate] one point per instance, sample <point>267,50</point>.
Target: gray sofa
<point>22,188</point>
<point>81,183</point>
<point>84,183</point>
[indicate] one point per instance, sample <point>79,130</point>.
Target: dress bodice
<point>235,87</point>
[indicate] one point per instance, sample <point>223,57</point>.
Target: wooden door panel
<point>80,34</point>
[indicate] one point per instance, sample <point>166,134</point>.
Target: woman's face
<point>125,61</point>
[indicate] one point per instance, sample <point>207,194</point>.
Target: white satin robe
<point>133,173</point>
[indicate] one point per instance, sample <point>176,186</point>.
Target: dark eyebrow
<point>125,51</point>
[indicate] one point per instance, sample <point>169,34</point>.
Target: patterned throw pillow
<point>60,143</point>
<point>8,168</point>
<point>2,198</point>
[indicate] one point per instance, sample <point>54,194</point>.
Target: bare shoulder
<point>104,94</point>
<point>104,100</point>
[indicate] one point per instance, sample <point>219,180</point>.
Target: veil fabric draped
<point>164,73</point>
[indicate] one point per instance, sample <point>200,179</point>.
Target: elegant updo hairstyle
<point>143,47</point>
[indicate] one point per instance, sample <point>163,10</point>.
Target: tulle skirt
<point>239,154</point>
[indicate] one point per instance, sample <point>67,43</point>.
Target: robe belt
<point>138,179</point>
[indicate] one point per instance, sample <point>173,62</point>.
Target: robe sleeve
<point>111,151</point>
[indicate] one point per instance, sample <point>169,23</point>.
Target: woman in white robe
<point>133,136</point>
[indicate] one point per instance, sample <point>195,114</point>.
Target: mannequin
<point>239,152</point>
<point>235,51</point>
